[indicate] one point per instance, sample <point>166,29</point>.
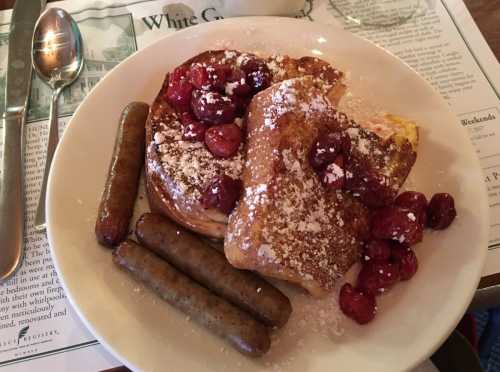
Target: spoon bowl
<point>57,48</point>
<point>57,55</point>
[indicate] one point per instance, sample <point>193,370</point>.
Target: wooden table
<point>486,13</point>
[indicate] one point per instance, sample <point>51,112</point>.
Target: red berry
<point>259,80</point>
<point>414,201</point>
<point>186,118</point>
<point>179,73</point>
<point>213,107</point>
<point>407,261</point>
<point>199,76</point>
<point>210,78</point>
<point>398,224</point>
<point>441,211</point>
<point>236,84</point>
<point>179,94</point>
<point>217,75</point>
<point>194,131</point>
<point>252,64</point>
<point>179,88</point>
<point>241,104</point>
<point>356,304</point>
<point>368,184</point>
<point>222,193</point>
<point>377,277</point>
<point>326,148</point>
<point>377,250</point>
<point>333,177</point>
<point>223,140</point>
<point>258,76</point>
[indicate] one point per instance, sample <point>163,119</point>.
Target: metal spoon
<point>58,60</point>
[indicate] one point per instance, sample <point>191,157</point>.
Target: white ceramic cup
<point>235,8</point>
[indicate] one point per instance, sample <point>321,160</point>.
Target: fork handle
<point>51,148</point>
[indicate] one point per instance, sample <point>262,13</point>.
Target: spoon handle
<point>51,148</point>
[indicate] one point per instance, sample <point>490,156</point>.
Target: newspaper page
<point>38,328</point>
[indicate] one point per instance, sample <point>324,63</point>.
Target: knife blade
<point>17,89</point>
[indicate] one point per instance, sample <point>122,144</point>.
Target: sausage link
<point>120,191</point>
<point>243,332</point>
<point>207,266</point>
<point>213,243</point>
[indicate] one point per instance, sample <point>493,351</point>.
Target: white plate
<point>147,334</point>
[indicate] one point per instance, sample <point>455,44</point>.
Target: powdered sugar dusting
<point>189,165</point>
<point>313,322</point>
<point>301,215</point>
<point>289,98</point>
<point>312,235</point>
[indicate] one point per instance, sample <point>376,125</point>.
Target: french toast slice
<point>287,224</point>
<point>177,171</point>
<point>378,166</point>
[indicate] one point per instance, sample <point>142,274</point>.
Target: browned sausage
<point>120,191</point>
<point>243,332</point>
<point>213,243</point>
<point>210,268</point>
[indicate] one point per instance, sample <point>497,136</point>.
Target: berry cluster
<point>208,98</point>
